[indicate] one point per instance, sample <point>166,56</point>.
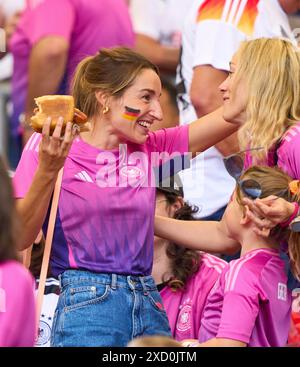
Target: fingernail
<point>60,119</point>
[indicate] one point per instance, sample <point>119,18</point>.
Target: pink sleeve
<point>27,167</point>
<point>18,320</point>
<point>244,305</point>
<point>170,140</point>
<point>241,298</point>
<point>289,153</point>
<point>50,18</point>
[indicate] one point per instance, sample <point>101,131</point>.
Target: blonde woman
<point>262,95</point>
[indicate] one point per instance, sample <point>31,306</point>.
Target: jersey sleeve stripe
<point>248,18</point>
<point>233,11</point>
<point>211,10</point>
<point>239,13</point>
<point>235,269</point>
<point>31,141</point>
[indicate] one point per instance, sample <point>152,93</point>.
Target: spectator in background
<point>168,101</point>
<point>52,37</point>
<point>211,35</point>
<point>157,25</point>
<point>17,304</point>
<point>184,277</point>
<point>10,11</point>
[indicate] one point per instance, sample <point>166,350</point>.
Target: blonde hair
<point>274,181</point>
<point>111,71</point>
<point>271,70</point>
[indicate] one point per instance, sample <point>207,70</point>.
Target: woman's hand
<point>54,149</point>
<point>268,212</point>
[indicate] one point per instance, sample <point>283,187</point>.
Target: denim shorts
<point>106,310</point>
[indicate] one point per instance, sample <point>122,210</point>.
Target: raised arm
<point>196,235</point>
<point>33,207</point>
<point>209,130</point>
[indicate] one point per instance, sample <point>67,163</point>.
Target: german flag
<point>131,114</point>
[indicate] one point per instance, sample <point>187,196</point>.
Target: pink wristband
<point>292,217</point>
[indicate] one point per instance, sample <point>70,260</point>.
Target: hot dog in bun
<point>56,106</point>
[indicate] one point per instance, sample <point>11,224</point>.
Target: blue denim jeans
<point>106,310</point>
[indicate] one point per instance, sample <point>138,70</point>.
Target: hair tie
<point>294,187</point>
<point>292,217</point>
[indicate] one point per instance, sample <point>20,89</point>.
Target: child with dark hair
<point>17,308</point>
<point>184,276</point>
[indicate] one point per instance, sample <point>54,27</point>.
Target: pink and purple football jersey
<point>106,207</point>
<point>250,302</point>
<point>17,306</point>
<point>185,307</point>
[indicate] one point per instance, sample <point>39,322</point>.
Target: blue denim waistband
<point>79,277</point>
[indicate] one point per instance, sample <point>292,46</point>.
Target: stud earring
<point>105,110</point>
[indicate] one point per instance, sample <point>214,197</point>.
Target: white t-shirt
<point>211,35</point>
<point>159,19</point>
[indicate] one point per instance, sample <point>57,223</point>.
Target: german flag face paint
<point>131,114</point>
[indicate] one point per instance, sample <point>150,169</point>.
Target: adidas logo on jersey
<point>84,176</point>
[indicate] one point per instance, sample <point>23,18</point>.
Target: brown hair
<point>184,262</point>
<point>8,218</point>
<point>274,181</point>
<point>111,71</point>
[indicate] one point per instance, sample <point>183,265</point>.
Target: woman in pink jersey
<point>262,96</point>
<point>103,240</point>
<point>184,277</point>
<point>17,304</point>
<point>250,304</point>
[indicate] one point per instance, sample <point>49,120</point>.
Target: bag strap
<point>48,245</point>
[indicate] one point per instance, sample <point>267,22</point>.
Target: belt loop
<point>114,281</point>
<point>144,286</point>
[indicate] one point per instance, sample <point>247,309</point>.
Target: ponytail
<point>81,89</point>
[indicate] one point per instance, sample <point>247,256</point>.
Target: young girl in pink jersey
<point>250,303</point>
<point>17,304</point>
<point>183,276</point>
